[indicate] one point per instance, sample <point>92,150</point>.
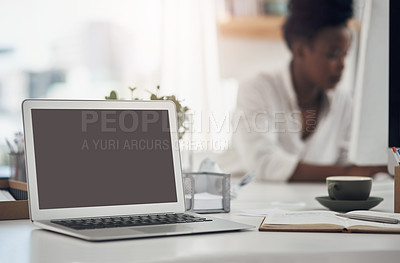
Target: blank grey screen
<point>90,158</point>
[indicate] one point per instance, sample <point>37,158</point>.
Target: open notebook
<point>327,221</point>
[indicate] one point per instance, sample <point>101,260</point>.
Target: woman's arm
<point>308,172</point>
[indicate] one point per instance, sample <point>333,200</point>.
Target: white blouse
<point>267,128</point>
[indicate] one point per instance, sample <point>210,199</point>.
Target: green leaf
<point>113,95</point>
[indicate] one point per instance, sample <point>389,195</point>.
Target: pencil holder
<point>397,189</point>
<point>17,165</point>
<point>207,192</point>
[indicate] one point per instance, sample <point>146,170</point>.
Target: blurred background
<point>199,51</point>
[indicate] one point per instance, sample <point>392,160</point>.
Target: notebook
<point>104,170</point>
<point>358,221</point>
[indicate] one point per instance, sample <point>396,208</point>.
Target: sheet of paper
<point>288,203</point>
<point>261,212</point>
<point>6,196</point>
<point>207,201</point>
<point>304,217</point>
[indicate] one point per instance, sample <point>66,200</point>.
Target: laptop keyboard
<point>125,221</point>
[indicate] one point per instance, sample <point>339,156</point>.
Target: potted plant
<point>181,110</point>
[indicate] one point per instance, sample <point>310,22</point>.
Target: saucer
<point>348,205</point>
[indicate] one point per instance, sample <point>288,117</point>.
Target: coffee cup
<point>349,187</point>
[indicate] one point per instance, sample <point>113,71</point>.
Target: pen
<point>10,146</point>
<point>19,142</point>
<point>377,219</point>
<point>247,178</point>
<point>396,155</point>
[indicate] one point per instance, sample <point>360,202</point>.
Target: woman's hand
<point>366,170</point>
<point>315,173</point>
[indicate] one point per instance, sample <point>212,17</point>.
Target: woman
<point>294,123</point>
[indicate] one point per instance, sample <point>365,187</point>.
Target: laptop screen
<point>87,158</point>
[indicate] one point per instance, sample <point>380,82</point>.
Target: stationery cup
<point>349,187</point>
<point>17,165</point>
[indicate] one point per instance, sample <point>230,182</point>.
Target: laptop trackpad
<point>165,229</point>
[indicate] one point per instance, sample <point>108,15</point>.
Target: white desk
<point>20,241</point>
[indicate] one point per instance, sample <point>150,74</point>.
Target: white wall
<point>241,58</point>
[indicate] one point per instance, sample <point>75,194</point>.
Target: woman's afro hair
<point>308,17</point>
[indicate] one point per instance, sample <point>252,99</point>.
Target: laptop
<point>105,170</point>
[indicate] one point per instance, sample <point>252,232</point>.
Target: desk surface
<point>20,241</point>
